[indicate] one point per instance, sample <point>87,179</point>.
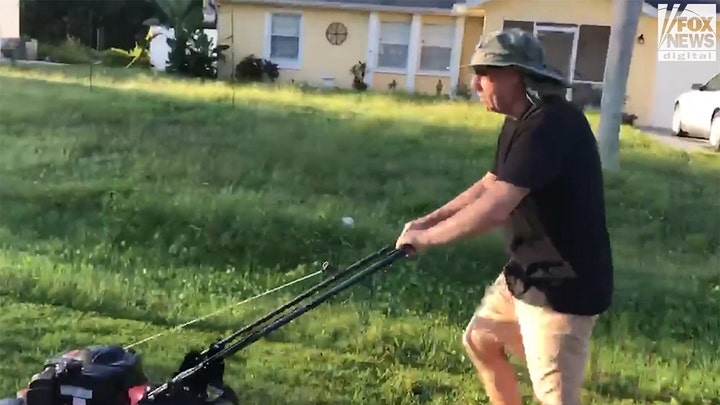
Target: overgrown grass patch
<point>143,202</point>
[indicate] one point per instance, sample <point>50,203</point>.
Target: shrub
<point>70,51</point>
<point>358,72</point>
<point>202,57</point>
<point>115,57</point>
<point>195,56</point>
<point>463,91</point>
<point>254,69</point>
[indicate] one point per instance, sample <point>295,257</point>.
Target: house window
<point>592,47</point>
<point>587,43</point>
<point>285,37</point>
<point>394,45</point>
<point>437,44</point>
<point>528,26</point>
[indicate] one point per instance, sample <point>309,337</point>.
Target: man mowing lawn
<point>546,189</point>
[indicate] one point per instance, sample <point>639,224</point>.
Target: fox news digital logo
<point>687,32</point>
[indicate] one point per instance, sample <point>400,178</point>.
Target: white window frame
<point>390,69</point>
<point>283,63</point>
<point>451,27</point>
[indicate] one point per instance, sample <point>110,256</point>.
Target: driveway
<point>683,143</point>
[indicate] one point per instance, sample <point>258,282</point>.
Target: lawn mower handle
<point>253,337</point>
<point>299,298</point>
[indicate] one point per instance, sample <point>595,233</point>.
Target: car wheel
<point>715,131</point>
<point>677,122</point>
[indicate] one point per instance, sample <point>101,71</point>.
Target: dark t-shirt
<point>557,237</point>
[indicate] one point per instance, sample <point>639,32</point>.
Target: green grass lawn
<point>141,203</point>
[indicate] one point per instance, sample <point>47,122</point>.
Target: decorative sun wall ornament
<point>336,33</point>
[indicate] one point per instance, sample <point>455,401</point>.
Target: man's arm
<point>490,210</point>
<point>459,202</point>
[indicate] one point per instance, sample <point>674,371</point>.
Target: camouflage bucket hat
<point>515,48</point>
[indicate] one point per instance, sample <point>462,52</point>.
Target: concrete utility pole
<point>626,15</point>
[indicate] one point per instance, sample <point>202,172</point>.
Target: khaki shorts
<point>553,345</point>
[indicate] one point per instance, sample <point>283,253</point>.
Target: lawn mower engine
<point>112,375</point>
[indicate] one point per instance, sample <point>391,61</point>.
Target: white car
<point>697,112</point>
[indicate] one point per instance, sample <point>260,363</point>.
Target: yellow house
<point>416,45</point>
<point>421,45</point>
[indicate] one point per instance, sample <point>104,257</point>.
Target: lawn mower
<point>114,375</point>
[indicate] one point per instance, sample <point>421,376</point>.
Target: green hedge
<point>73,52</point>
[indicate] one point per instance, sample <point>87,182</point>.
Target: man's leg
<point>556,352</point>
<point>491,333</point>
